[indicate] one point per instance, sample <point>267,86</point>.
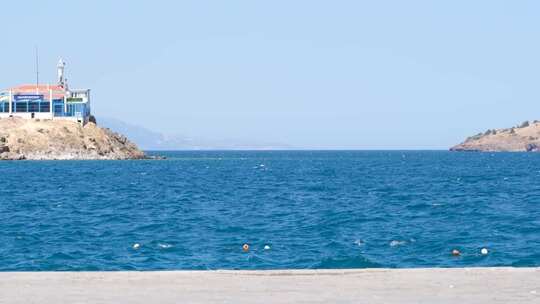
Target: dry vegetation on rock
<point>523,138</point>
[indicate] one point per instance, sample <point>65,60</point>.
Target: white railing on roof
<point>4,96</point>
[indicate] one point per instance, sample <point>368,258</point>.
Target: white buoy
<point>484,251</point>
<point>266,247</point>
<point>136,246</point>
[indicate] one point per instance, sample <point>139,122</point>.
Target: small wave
<point>359,243</point>
<point>164,245</point>
<point>347,262</point>
<point>395,243</point>
<point>60,256</point>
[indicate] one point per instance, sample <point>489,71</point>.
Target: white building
<point>47,101</point>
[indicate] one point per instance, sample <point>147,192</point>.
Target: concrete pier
<point>436,285</point>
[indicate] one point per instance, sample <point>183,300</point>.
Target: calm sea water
<point>313,209</point>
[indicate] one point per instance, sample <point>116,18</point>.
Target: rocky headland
<point>36,139</point>
<point>522,138</point>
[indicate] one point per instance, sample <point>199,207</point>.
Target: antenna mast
<point>37,71</point>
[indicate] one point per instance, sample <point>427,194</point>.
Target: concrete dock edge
<point>423,285</point>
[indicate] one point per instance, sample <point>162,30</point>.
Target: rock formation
<point>47,139</point>
<point>523,138</point>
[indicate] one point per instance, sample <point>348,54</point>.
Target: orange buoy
<point>245,247</point>
<point>456,252</point>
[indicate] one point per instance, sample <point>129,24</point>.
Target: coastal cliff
<point>522,138</point>
<point>47,140</point>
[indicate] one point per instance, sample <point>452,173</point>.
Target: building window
<point>44,107</point>
<point>58,110</point>
<point>58,107</point>
<point>4,107</point>
<point>33,107</point>
<point>20,107</point>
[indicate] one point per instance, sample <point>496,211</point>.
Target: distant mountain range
<point>151,140</point>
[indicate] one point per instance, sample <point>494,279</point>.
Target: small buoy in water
<point>136,246</point>
<point>456,252</point>
<point>484,251</point>
<point>245,247</point>
<point>266,247</point>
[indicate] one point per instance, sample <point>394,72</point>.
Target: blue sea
<point>309,209</point>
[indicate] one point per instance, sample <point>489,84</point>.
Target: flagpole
<point>37,71</point>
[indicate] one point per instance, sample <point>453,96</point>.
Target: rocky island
<point>45,139</point>
<point>522,138</point>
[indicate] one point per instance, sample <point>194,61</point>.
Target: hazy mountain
<point>151,140</point>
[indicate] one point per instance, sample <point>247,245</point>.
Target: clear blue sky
<point>313,74</point>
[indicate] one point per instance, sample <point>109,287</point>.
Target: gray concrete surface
<point>436,285</point>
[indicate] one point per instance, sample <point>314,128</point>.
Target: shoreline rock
<point>62,140</point>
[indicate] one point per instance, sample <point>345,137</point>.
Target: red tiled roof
<point>57,91</point>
